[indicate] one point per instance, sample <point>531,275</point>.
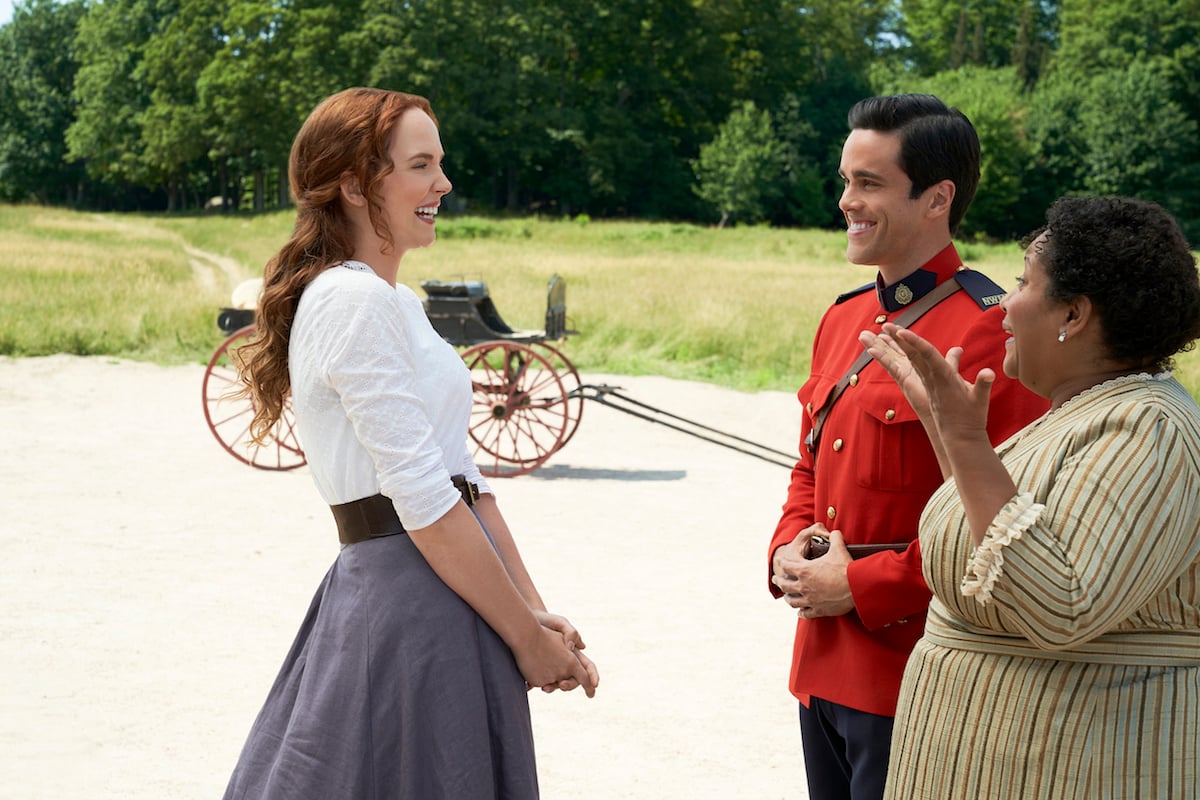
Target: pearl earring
<point>1062,336</point>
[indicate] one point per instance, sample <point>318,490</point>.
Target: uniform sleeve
<point>797,513</point>
<point>797,509</point>
<point>888,587</point>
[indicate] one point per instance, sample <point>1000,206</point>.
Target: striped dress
<point>1061,658</point>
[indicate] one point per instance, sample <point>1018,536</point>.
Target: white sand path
<point>150,586</point>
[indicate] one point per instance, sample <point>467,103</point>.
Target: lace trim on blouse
<point>987,564</point>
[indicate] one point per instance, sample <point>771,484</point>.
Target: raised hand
<point>959,406</point>
<point>888,353</point>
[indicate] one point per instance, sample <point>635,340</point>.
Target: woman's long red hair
<point>348,134</point>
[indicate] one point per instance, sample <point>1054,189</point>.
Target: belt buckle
<point>468,490</point>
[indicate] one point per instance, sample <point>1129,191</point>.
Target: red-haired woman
<point>408,678</point>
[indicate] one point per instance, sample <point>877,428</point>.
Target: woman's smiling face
<point>1033,322</point>
<point>411,193</point>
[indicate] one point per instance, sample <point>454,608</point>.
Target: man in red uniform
<point>910,167</point>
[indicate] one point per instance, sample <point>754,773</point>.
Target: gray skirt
<point>394,689</point>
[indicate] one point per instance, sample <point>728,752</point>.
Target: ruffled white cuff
<point>987,563</point>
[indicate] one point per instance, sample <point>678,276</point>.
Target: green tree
<point>1034,41</point>
<point>1136,69</point>
<point>1057,149</point>
<point>497,73</point>
<point>1112,34</point>
<point>942,35</point>
<point>106,134</point>
<point>1141,143</point>
<point>650,74</point>
<point>276,62</point>
<point>559,105</point>
<point>798,186</point>
<point>812,123</point>
<point>37,74</point>
<point>735,170</point>
<point>600,108</point>
<point>174,126</point>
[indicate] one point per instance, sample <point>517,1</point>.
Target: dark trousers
<point>845,751</point>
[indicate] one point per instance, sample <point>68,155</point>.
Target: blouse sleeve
<point>374,374</point>
<point>471,472</point>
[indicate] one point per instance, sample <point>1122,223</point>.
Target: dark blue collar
<point>905,291</point>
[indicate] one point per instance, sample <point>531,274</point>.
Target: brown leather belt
<point>375,516</point>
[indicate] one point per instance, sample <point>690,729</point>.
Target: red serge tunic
<point>873,473</point>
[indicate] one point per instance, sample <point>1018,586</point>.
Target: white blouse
<point>382,402</point>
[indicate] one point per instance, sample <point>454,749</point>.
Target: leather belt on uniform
<point>374,517</point>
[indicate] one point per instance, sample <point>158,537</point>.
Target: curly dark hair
<point>1130,258</point>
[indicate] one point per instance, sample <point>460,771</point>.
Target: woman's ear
<point>1079,314</point>
<point>351,192</point>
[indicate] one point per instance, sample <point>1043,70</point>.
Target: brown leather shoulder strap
<point>910,315</point>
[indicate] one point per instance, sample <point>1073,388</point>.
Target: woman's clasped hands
<point>554,659</point>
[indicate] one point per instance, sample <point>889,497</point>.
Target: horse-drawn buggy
<point>527,394</point>
<point>528,399</point>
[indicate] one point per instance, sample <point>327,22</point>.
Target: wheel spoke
<point>230,415</point>
<point>519,415</point>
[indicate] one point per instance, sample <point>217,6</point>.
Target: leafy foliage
<point>35,92</point>
<point>600,109</point>
<point>1141,143</point>
<point>734,169</point>
<point>983,33</point>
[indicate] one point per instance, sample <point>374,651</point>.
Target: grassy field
<point>735,307</point>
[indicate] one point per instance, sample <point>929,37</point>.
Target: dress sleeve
<point>1121,498</point>
<point>374,373</point>
<point>987,563</point>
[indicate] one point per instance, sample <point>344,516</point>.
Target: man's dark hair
<point>936,143</point>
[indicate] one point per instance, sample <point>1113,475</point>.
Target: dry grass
<point>93,285</point>
<point>736,307</point>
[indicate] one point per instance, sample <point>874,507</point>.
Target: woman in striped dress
<point>1061,657</point>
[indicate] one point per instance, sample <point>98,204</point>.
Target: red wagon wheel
<point>521,413</point>
<point>570,378</point>
<point>229,417</point>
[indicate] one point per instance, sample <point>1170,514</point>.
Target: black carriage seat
<point>234,319</point>
<point>463,313</point>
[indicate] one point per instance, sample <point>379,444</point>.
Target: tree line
<point>700,110</point>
